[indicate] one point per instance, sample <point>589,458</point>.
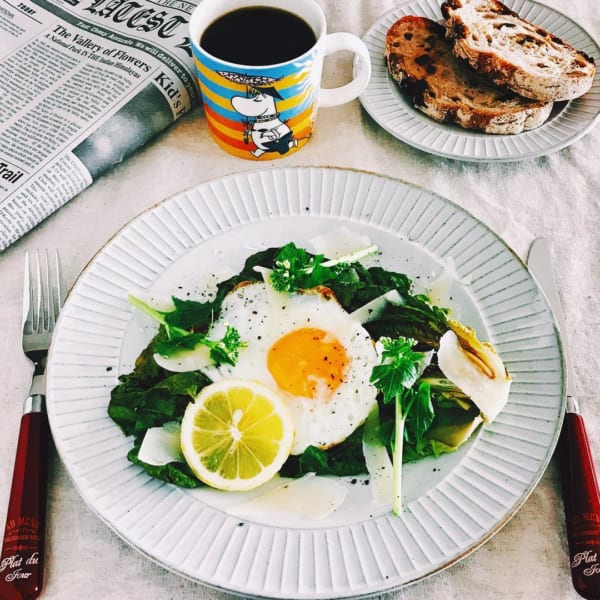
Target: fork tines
<point>44,287</point>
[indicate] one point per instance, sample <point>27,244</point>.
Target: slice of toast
<point>444,87</point>
<point>515,53</point>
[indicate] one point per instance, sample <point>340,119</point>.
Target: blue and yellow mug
<point>269,111</point>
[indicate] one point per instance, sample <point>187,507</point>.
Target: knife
<point>580,485</point>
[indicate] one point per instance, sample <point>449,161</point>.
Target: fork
<point>22,557</point>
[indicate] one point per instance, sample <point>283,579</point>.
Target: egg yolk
<point>308,362</point>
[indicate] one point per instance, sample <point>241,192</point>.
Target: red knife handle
<point>22,558</point>
<point>582,506</point>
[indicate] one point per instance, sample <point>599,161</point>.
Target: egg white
<point>262,316</point>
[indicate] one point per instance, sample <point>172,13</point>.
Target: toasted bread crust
<point>444,87</point>
<point>514,53</point>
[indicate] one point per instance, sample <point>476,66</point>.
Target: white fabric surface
<point>555,196</point>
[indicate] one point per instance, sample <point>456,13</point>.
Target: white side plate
<point>386,104</point>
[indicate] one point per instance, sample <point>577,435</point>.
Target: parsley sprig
<point>395,376</point>
<point>223,351</point>
<point>295,269</point>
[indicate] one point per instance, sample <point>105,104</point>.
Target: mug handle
<point>351,90</point>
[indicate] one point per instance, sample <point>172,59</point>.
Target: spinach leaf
<point>344,459</point>
<point>176,339</point>
<point>136,404</point>
<point>419,420</point>
<point>190,314</point>
<point>264,258</point>
<point>177,473</point>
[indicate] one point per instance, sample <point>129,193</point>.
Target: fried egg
<point>310,350</point>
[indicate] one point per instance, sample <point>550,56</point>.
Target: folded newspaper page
<point>83,84</point>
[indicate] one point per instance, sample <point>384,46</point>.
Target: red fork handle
<point>22,558</point>
<point>582,506</point>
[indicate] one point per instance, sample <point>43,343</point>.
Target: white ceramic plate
<point>385,103</point>
<point>452,505</point>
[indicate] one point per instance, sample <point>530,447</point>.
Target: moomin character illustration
<point>261,118</point>
<point>267,130</point>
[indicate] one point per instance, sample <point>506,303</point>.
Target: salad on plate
<point>304,365</point>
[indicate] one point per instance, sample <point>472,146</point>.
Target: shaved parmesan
<point>196,359</point>
<point>339,243</point>
<point>158,303</point>
<point>378,461</point>
<point>161,445</point>
<point>373,309</point>
<point>440,289</point>
<point>311,496</point>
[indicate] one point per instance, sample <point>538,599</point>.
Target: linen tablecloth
<point>555,196</point>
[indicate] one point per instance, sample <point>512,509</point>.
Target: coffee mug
<point>264,111</point>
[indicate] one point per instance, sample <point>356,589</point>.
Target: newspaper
<point>83,84</point>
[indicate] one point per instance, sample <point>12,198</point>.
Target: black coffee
<point>258,36</point>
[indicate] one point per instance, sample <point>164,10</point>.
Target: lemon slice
<point>236,435</point>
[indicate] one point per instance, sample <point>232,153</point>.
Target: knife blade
<point>540,266</point>
<point>581,495</point>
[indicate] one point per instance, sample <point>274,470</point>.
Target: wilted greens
<point>415,400</point>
